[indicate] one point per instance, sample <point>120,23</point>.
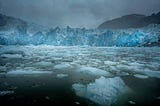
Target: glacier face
<point>81,37</point>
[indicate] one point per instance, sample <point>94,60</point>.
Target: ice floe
<point>12,55</point>
<point>3,93</point>
<point>62,66</point>
<point>21,72</point>
<point>93,71</point>
<point>110,63</point>
<point>148,72</point>
<point>132,102</point>
<point>82,69</point>
<point>44,64</point>
<point>77,103</point>
<point>139,69</point>
<point>103,91</point>
<point>2,68</point>
<point>62,75</point>
<point>140,76</point>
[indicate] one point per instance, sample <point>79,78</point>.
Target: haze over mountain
<point>75,13</point>
<point>131,21</point>
<point>11,24</point>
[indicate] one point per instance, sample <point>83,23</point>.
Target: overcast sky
<point>75,13</point>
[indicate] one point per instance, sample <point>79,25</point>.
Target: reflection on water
<point>46,75</point>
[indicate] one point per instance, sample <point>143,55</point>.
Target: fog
<point>75,13</point>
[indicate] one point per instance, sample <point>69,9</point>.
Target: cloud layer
<point>75,13</point>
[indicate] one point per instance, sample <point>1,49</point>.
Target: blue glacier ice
<point>81,36</point>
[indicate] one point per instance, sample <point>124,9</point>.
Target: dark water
<point>145,91</point>
<point>48,90</point>
<point>41,89</point>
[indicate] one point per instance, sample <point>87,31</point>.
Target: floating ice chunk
<point>93,71</point>
<point>62,66</point>
<point>62,75</point>
<point>47,98</point>
<point>110,63</point>
<point>44,64</point>
<point>137,68</point>
<point>80,89</point>
<point>12,55</point>
<point>21,72</point>
<point>131,102</point>
<point>136,64</point>
<point>149,73</point>
<point>57,58</point>
<point>158,97</point>
<point>3,93</point>
<point>26,68</point>
<point>103,91</point>
<point>2,68</point>
<point>140,76</point>
<point>123,73</point>
<point>155,74</point>
<point>82,69</point>
<point>77,103</point>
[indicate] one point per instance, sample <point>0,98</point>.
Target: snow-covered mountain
<point>17,32</point>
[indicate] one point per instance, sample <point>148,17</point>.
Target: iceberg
<point>104,91</point>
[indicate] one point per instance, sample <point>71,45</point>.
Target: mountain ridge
<point>10,23</point>
<point>131,21</point>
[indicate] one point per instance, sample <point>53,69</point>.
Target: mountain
<point>131,21</point>
<point>11,24</point>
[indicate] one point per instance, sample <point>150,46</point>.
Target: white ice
<point>44,64</point>
<point>141,76</point>
<point>28,72</point>
<point>99,61</point>
<point>93,71</point>
<point>82,69</point>
<point>139,68</point>
<point>132,102</point>
<point>11,55</point>
<point>110,63</point>
<point>63,66</point>
<point>62,75</point>
<point>103,91</point>
<point>3,93</point>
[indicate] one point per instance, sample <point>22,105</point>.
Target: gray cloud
<point>75,13</point>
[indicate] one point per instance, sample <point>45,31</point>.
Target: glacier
<point>81,36</point>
